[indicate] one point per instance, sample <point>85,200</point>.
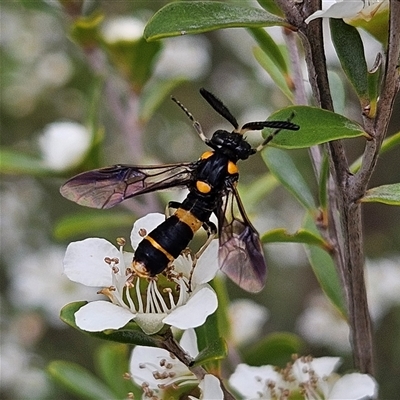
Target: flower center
<point>159,295</point>
<point>169,373</point>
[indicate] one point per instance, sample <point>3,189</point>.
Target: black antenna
<point>219,107</point>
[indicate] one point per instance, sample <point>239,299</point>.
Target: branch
<point>170,344</point>
<point>389,89</point>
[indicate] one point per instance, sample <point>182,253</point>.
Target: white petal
<point>322,366</point>
<point>343,9</point>
<point>63,144</point>
<point>250,381</point>
<point>122,29</point>
<point>148,223</point>
<point>247,318</point>
<point>211,388</point>
<point>194,313</point>
<point>84,262</point>
<point>100,315</point>
<point>189,342</point>
<point>150,323</point>
<point>207,265</point>
<point>354,386</point>
<point>141,355</point>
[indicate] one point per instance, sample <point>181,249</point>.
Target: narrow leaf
<point>270,48</point>
<point>134,59</point>
<point>388,144</point>
<point>216,350</point>
<point>89,222</point>
<point>274,72</point>
<point>316,126</point>
<point>210,343</point>
<point>275,349</point>
<point>350,50</point>
<point>13,162</point>
<point>270,6</point>
<point>281,235</point>
<point>323,183</point>
<point>185,17</point>
<point>130,334</point>
<point>325,271</point>
<point>112,363</point>
<point>79,381</point>
<point>283,168</point>
<point>154,94</point>
<point>256,190</point>
<point>387,194</point>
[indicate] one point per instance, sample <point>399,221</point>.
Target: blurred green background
<point>48,78</point>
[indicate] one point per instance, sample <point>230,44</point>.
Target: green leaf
<point>350,50</point>
<point>374,86</point>
<point>388,144</point>
<point>85,29</point>
<point>89,222</point>
<point>186,17</point>
<point>129,334</point>
<point>283,168</point>
<point>79,381</point>
<point>216,350</point>
<point>112,363</point>
<point>256,190</point>
<point>154,94</point>
<point>338,92</point>
<point>210,343</point>
<point>323,183</point>
<point>316,126</point>
<point>325,271</point>
<point>281,235</point>
<point>280,79</point>
<point>275,349</point>
<point>13,162</point>
<point>387,194</point>
<point>134,59</point>
<point>270,48</point>
<point>270,6</point>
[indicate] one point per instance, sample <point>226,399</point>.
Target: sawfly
<point>211,181</point>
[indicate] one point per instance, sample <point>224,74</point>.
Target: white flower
<point>364,9</point>
<point>186,56</point>
<point>37,283</point>
<point>383,285</point>
<point>155,370</point>
<point>322,324</point>
<point>122,29</point>
<point>64,144</point>
<point>210,388</point>
<point>312,378</point>
<point>96,262</point>
<point>316,376</point>
<point>247,318</point>
<point>257,382</point>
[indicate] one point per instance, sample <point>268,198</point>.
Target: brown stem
<point>170,344</point>
<point>345,222</point>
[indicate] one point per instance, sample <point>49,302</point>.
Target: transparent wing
<point>241,255</point>
<point>106,187</point>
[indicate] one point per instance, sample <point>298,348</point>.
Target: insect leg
<point>285,125</point>
<point>211,230</point>
<point>171,205</point>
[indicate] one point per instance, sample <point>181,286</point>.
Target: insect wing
<point>240,255</point>
<point>106,187</point>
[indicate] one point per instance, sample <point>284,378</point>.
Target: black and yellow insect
<point>212,189</point>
